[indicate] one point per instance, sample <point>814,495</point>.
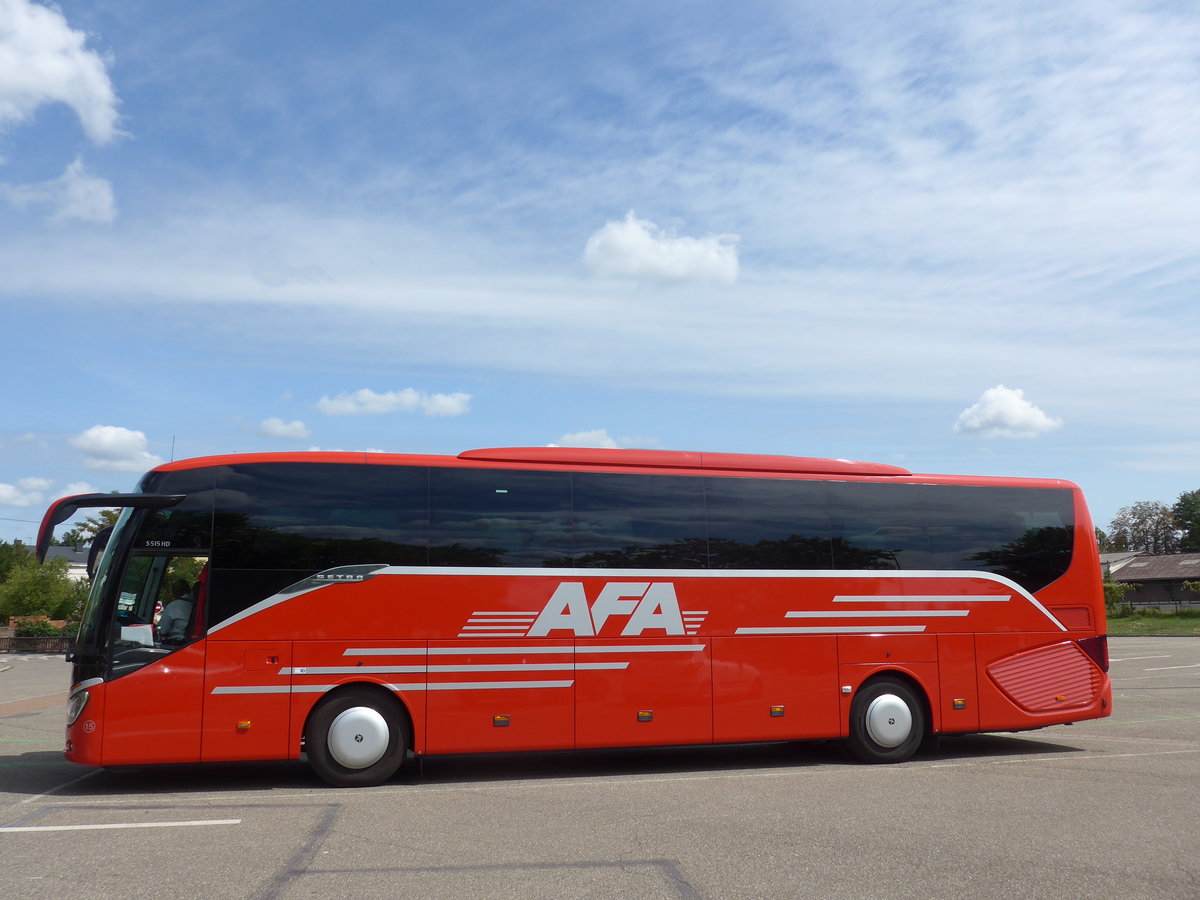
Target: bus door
<point>152,706</point>
<point>247,702</point>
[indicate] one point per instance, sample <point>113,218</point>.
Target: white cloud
<point>636,248</point>
<point>1004,412</point>
<point>366,402</point>
<point>114,449</point>
<point>277,428</point>
<point>43,60</point>
<point>597,437</point>
<point>75,194</point>
<point>36,491</point>
<point>19,494</point>
<point>77,487</point>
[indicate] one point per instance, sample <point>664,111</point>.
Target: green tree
<point>1114,596</point>
<point>185,568</point>
<point>1187,514</point>
<point>73,538</point>
<point>10,556</point>
<point>93,525</point>
<point>37,628</point>
<point>1147,527</point>
<point>30,589</point>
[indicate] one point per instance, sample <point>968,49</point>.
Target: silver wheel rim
<point>358,737</point>
<point>889,720</point>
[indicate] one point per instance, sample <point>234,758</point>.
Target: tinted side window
<point>766,523</point>
<point>276,523</point>
<point>185,527</point>
<point>232,590</point>
<point>498,517</point>
<point>880,526</point>
<point>1023,534</point>
<point>313,516</point>
<point>640,521</point>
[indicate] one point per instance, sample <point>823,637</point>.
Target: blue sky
<point>954,237</point>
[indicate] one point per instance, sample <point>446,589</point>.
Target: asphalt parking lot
<point>1100,809</point>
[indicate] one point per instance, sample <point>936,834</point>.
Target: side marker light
<point>960,703</point>
<point>501,721</point>
<point>776,712</point>
<point>645,715</point>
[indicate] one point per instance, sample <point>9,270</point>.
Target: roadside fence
<point>35,644</point>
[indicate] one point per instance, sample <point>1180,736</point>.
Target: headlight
<point>75,704</point>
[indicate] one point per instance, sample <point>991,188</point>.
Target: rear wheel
<point>355,738</point>
<point>887,721</point>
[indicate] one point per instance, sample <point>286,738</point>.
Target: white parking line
<point>123,825</point>
<point>1166,668</point>
<point>59,787</point>
<point>1132,658</point>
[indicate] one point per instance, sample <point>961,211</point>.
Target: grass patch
<point>1153,622</point>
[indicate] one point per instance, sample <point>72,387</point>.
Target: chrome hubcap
<point>889,720</point>
<point>358,737</point>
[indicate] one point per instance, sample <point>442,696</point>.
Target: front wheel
<point>887,722</point>
<point>355,738</point>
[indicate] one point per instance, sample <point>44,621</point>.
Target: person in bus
<point>173,626</point>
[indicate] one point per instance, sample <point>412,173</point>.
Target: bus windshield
<point>146,598</point>
<point>89,643</point>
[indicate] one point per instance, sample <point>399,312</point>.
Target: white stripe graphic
<point>643,648</point>
<point>416,670</point>
<point>415,686</point>
<point>881,613</point>
<point>913,598</point>
<point>836,629</point>
<point>490,634</point>
<point>468,650</point>
<point>491,685</point>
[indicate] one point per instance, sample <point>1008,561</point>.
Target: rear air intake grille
<point>1048,678</point>
<point>1076,618</point>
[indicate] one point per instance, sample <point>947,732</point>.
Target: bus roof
<point>599,458</point>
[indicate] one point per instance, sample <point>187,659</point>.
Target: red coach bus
<point>359,608</point>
